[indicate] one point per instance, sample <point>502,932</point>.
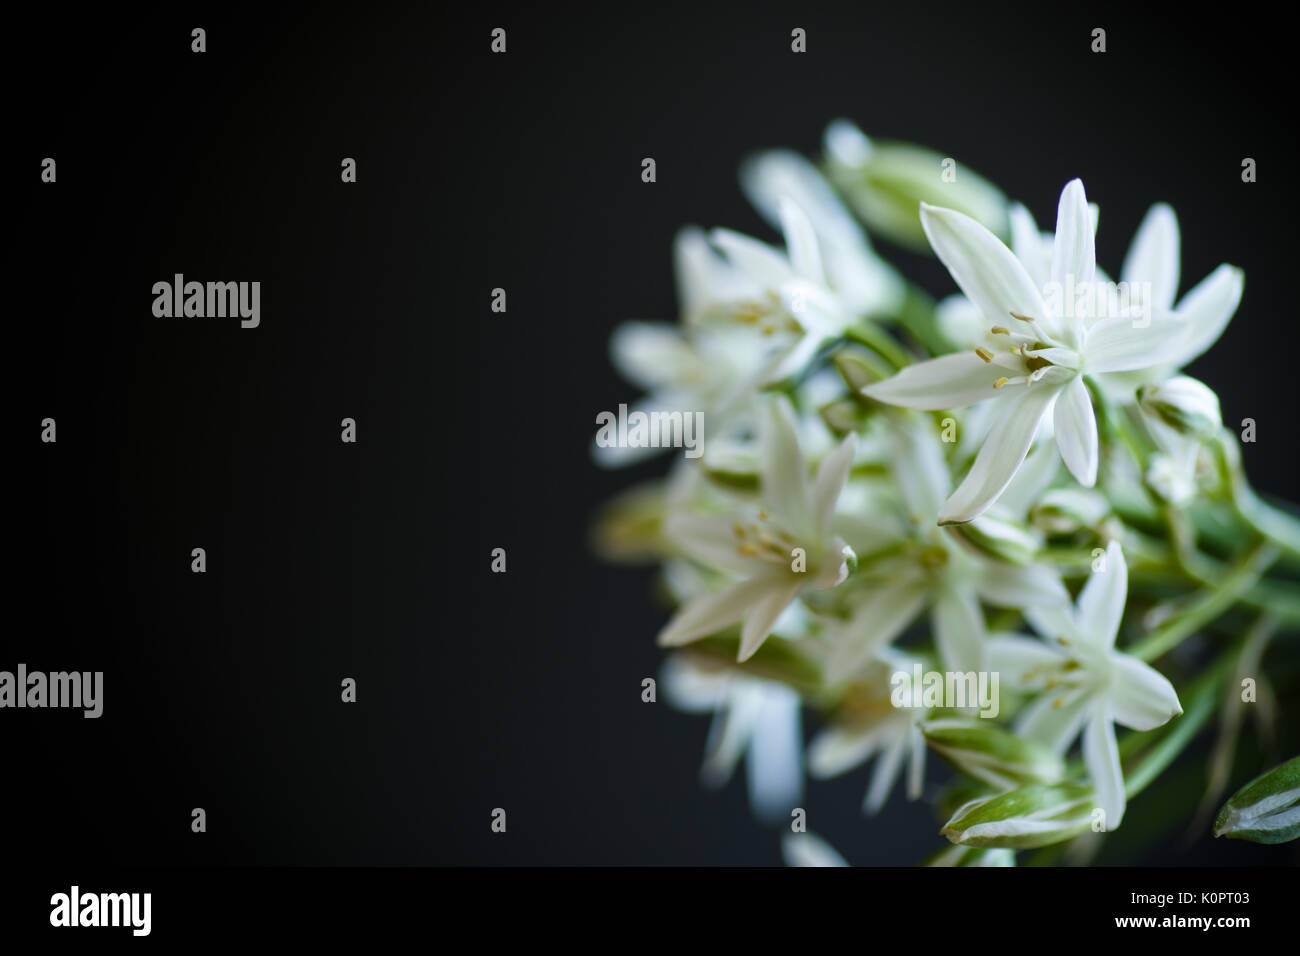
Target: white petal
<point>1074,257</point>
<point>1123,344</point>
<point>1003,451</point>
<point>710,613</point>
<point>649,354</point>
<point>711,539</point>
<point>1140,696</point>
<point>1076,432</point>
<point>915,763</point>
<point>1006,585</point>
<point>1207,309</point>
<point>774,765</point>
<point>1153,257</point>
<point>961,321</point>
<point>1054,719</point>
<point>1101,603</point>
<point>801,241</point>
<point>759,621</point>
<point>761,264</point>
<point>1101,755</point>
<point>784,474</point>
<point>1025,663</point>
<point>832,474</point>
<point>959,631</point>
<point>886,612</point>
<point>985,269</point>
<point>1052,621</point>
<point>923,476</point>
<point>729,733</point>
<point>807,849</point>
<point>1031,480</point>
<point>888,765</point>
<point>1027,243</point>
<point>837,749</point>
<point>950,381</point>
<point>692,689</point>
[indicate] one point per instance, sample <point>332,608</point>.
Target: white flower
<point>753,718</point>
<point>1050,337</point>
<point>708,369</point>
<point>869,727</point>
<point>778,549</point>
<point>936,569</point>
<point>1086,682</point>
<point>1151,269</point>
<point>862,281</point>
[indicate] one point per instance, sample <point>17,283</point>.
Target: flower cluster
<point>1014,489</point>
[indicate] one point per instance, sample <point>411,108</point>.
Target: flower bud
<point>991,754</point>
<point>886,183</point>
<point>1031,816</point>
<point>1183,404</point>
<point>1266,810</point>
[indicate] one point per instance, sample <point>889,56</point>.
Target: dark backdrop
<point>370,561</point>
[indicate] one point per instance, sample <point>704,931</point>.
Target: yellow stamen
<point>999,330</point>
<point>1000,382</point>
<point>985,354</point>
<point>1022,318</point>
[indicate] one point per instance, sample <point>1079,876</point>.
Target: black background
<point>370,561</point>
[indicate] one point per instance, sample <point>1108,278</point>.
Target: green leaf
<point>1266,810</point>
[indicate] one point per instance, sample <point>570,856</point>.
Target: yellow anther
<point>985,354</point>
<point>1022,318</point>
<point>1000,382</point>
<point>747,551</point>
<point>739,529</point>
<point>999,330</point>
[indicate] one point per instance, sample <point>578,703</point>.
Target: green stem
<point>1210,604</point>
<point>1180,735</point>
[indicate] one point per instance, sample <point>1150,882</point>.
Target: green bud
<point>886,183</point>
<point>1266,810</point>
<point>844,415</point>
<point>991,754</point>
<point>1032,816</point>
<point>857,368</point>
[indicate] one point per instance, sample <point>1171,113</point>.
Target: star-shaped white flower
<point>936,569</point>
<point>1052,336</point>
<point>779,549</point>
<point>1085,682</point>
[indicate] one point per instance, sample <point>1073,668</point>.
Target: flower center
<point>1022,355</point>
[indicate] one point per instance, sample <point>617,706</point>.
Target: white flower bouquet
<point>988,527</point>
